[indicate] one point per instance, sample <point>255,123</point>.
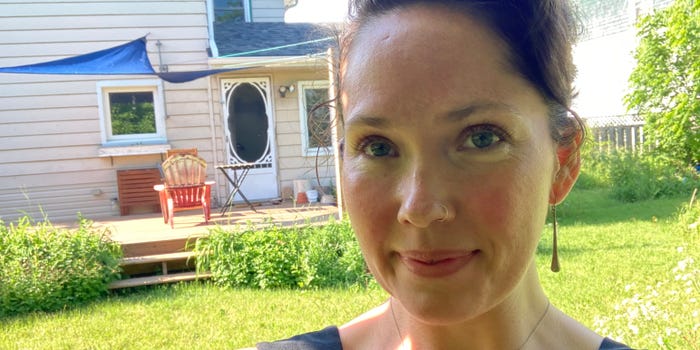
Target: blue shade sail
<point>130,58</point>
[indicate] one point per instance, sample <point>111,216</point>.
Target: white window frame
<point>303,113</point>
<point>247,11</point>
<point>155,86</point>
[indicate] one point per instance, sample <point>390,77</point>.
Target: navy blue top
<point>329,339</point>
<point>325,339</point>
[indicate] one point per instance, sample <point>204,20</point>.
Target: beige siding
<point>292,164</point>
<point>267,10</point>
<point>49,124</point>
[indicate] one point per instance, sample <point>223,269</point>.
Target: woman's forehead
<point>430,35</point>
<point>428,50</point>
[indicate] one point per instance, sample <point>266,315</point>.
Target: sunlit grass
<point>188,316</point>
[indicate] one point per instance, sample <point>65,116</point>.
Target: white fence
<point>616,132</point>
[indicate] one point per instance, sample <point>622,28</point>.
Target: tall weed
<point>45,268</point>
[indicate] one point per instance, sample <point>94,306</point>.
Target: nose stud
<point>446,211</point>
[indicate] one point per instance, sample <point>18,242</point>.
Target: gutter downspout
<point>210,28</point>
<point>214,52</point>
<point>215,150</point>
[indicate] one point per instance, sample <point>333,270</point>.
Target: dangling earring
<point>555,253</point>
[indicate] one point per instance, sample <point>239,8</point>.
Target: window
<point>231,10</point>
<point>315,117</point>
<point>131,112</point>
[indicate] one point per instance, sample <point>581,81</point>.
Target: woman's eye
<point>482,137</point>
<point>377,147</point>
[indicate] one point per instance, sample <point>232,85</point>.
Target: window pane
<point>229,10</point>
<point>132,113</point>
<point>319,132</point>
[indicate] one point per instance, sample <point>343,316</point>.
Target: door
<point>249,133</point>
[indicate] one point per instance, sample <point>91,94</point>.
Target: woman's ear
<point>569,159</point>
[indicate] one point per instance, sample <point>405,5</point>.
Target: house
<point>63,138</point>
<point>604,58</point>
<point>604,55</point>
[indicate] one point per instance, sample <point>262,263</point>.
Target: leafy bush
<point>650,176</point>
<point>335,255</point>
<point>595,167</point>
<point>275,257</point>
<point>635,177</point>
<point>664,84</point>
<point>45,268</point>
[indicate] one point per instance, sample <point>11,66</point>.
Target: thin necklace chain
<point>396,323</point>
<point>546,310</point>
<point>534,329</point>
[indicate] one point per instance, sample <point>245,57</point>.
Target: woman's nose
<point>422,200</point>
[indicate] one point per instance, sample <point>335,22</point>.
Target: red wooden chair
<point>185,186</point>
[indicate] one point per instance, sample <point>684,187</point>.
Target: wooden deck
<point>141,228</point>
<point>154,253</point>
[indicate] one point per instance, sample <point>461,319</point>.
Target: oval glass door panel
<point>248,123</point>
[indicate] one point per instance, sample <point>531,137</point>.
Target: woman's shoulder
<point>325,339</point>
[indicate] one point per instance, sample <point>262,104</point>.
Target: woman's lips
<point>436,264</point>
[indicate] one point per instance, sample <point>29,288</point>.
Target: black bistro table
<point>240,171</point>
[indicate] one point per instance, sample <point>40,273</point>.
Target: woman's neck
<point>509,325</point>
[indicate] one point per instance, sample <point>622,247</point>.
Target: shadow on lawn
<point>544,248</point>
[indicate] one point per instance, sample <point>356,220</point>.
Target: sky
<point>317,11</point>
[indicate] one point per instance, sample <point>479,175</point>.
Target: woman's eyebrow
<point>479,106</point>
<point>368,120</point>
<point>452,116</point>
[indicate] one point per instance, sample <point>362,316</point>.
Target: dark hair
<point>538,33</point>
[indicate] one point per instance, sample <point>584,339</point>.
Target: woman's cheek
<point>363,196</point>
<point>499,202</point>
<point>367,197</point>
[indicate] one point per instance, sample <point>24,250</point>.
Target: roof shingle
<point>235,38</point>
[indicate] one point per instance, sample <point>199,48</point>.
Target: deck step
<point>150,280</point>
<point>156,258</point>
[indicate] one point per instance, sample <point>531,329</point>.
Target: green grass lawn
<point>609,252</point>
<point>186,316</point>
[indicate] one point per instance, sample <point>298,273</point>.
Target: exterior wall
<point>267,10</point>
<point>50,124</point>
<point>604,56</point>
<point>604,65</point>
<point>291,163</point>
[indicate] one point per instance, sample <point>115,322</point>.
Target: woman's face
<point>435,119</point>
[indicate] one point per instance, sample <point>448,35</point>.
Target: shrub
<point>650,176</point>
<point>634,177</point>
<point>335,255</point>
<point>275,257</point>
<point>45,268</point>
<point>595,167</point>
